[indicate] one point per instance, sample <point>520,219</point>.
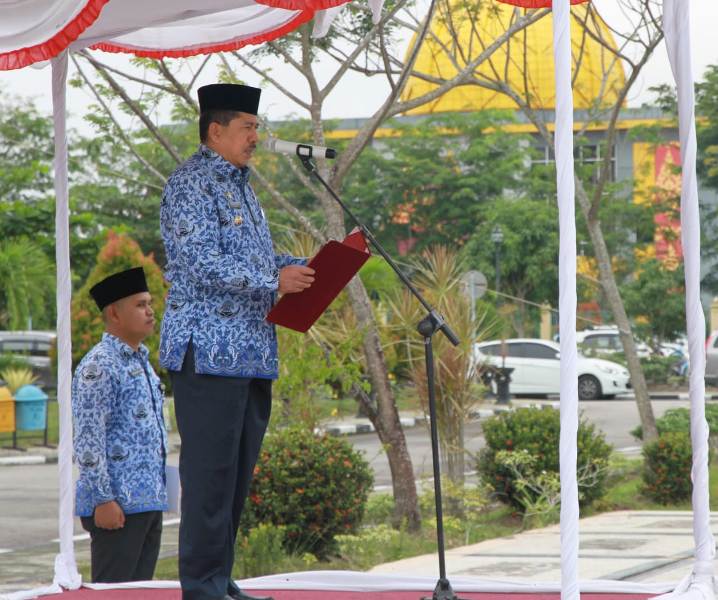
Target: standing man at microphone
<point>215,342</point>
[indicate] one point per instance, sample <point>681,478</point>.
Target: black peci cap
<point>118,286</point>
<point>229,96</point>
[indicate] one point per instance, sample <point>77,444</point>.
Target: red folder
<point>334,266</point>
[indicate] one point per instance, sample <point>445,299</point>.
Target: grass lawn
<point>625,485</point>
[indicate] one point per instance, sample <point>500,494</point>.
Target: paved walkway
<point>645,546</point>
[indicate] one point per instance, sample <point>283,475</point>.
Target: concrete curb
<point>677,396</point>
<point>342,429</point>
<point>28,459</point>
<point>339,429</point>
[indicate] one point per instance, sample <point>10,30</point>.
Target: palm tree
<point>457,383</point>
<point>27,284</point>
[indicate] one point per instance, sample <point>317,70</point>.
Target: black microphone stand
<point>427,327</point>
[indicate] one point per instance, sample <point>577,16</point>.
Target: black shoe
<point>238,594</point>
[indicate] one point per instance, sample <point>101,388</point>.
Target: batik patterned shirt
<point>223,271</point>
<point>120,440</point>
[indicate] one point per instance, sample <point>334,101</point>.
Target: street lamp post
<point>497,237</point>
<point>503,374</point>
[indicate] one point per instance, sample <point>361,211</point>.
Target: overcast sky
<point>360,96</point>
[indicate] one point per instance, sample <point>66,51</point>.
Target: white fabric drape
<point>567,299</point>
<point>27,22</point>
<point>66,573</point>
<point>699,585</point>
<point>378,582</point>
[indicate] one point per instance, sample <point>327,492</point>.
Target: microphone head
<point>331,153</point>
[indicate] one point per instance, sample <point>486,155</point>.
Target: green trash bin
<point>30,408</point>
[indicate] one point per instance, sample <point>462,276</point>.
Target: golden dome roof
<point>529,51</point>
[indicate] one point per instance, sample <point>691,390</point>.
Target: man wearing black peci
<point>219,349</point>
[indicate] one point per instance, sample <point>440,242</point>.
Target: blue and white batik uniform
<point>223,271</point>
<point>120,440</point>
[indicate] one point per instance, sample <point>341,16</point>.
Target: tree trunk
<point>610,289</point>
<point>386,416</point>
<point>454,451</point>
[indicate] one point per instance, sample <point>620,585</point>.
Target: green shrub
<point>537,491</point>
<point>370,546</point>
<point>679,419</point>
<point>262,552</point>
<point>536,430</point>
<point>314,486</point>
<point>12,361</point>
<point>379,509</point>
<point>657,369</point>
<point>667,468</point>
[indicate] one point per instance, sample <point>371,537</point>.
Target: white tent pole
<point>66,573</point>
<point>567,300</point>
<point>676,25</point>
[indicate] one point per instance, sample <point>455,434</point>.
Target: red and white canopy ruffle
<point>36,30</point>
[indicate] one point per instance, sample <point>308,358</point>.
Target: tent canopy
<point>32,31</point>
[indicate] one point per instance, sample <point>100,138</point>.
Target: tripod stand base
<point>442,591</point>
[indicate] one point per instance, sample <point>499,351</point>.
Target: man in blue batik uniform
<point>215,341</point>
<point>119,436</point>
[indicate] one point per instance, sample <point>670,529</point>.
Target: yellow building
<point>524,65</point>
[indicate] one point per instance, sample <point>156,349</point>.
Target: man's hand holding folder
<point>295,278</point>
<point>332,268</point>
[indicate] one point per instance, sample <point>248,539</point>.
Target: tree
<point>118,254</point>
<point>26,151</point>
<point>27,285</point>
<point>707,159</point>
<point>439,278</point>
<point>433,182</point>
<point>27,203</point>
<point>707,127</point>
<point>633,49</point>
<point>528,252</point>
<point>707,165</point>
<point>655,300</point>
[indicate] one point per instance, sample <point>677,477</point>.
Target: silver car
<point>33,347</point>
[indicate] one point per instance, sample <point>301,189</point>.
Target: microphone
<point>300,149</point>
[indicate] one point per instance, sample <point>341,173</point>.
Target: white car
<point>606,340</point>
<point>536,369</point>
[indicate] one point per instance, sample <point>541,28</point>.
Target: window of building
<point>584,154</point>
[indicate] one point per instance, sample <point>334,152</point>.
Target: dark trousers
<point>221,421</point>
<point>127,554</point>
